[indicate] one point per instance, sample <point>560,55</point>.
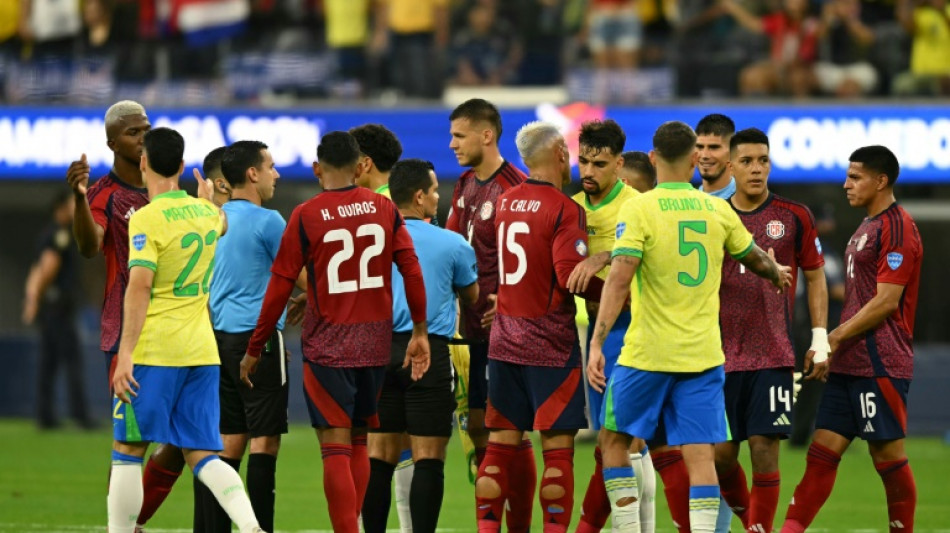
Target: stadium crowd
<point>688,355</point>
<point>202,51</point>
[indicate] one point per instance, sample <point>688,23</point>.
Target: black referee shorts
<point>422,408</point>
<point>261,411</point>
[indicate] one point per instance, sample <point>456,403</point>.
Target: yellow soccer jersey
<point>384,190</point>
<point>602,219</point>
<point>680,235</point>
<point>175,235</point>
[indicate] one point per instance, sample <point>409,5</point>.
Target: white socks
<point>228,489</point>
<point>125,495</point>
<point>646,486</point>
<point>403,477</point>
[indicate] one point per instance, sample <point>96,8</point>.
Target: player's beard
<point>711,177</point>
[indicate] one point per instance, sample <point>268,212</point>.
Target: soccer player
<point>600,161</point>
<point>673,239</point>
<point>712,144</point>
<point>872,357</point>
<point>101,222</point>
<point>755,323</point>
<point>422,408</point>
<point>347,237</point>
<point>166,374</point>
<point>211,167</point>
<point>637,171</point>
<point>241,271</point>
<point>379,151</point>
<point>534,360</point>
<point>475,126</point>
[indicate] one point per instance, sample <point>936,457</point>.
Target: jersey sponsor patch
<point>621,227</point>
<point>775,229</point>
<point>581,247</point>
<point>894,260</point>
<point>138,241</point>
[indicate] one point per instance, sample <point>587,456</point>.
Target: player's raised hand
<point>584,271</point>
<point>489,316</point>
<point>123,381</point>
<point>417,355</point>
<point>784,278</point>
<point>205,187</point>
<point>595,368</point>
<point>77,175</point>
<point>248,367</point>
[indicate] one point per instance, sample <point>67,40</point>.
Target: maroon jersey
<point>348,240</point>
<point>112,202</point>
<point>885,249</point>
<point>541,237</point>
<point>473,216</point>
<point>756,321</point>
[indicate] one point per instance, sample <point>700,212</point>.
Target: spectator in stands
<point>794,38</point>
<point>413,32</point>
<point>844,69</point>
<point>928,23</point>
<point>486,51</point>
<point>48,27</point>
<point>614,33</point>
<point>540,24</point>
<point>347,31</point>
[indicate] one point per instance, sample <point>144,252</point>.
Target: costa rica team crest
<point>775,229</point>
<point>862,242</point>
<point>486,211</point>
<point>581,247</point>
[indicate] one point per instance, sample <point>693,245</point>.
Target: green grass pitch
<point>56,482</point>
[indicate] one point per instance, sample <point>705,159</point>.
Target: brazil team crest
<point>894,260</point>
<point>138,241</point>
<point>775,229</point>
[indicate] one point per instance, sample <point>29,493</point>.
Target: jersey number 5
<point>687,247</point>
<point>336,286</point>
<point>191,289</point>
<point>506,241</point>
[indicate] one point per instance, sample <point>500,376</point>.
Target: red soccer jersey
<point>542,236</point>
<point>112,202</point>
<point>347,239</point>
<point>885,249</point>
<point>473,216</point>
<point>756,321</point>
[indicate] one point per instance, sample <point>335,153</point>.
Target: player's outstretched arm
<point>87,233</point>
<point>816,360</point>
<point>137,296</point>
<point>585,270</point>
<point>764,265</point>
<point>614,295</point>
<point>885,303</point>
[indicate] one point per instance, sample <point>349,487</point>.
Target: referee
<point>421,408</point>
<point>241,273</point>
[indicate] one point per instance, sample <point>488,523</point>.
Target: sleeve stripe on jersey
<point>304,243</point>
<point>897,228</point>
<point>745,252</point>
<point>142,263</point>
<point>627,251</point>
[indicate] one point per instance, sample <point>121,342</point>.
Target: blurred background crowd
<point>609,51</point>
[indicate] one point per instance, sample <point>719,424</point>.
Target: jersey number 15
<point>506,241</point>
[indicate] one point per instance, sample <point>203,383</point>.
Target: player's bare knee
<point>552,492</point>
<point>486,487</point>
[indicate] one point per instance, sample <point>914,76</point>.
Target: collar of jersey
<point>613,194</point>
<point>382,188</point>
<point>172,194</point>
<point>675,185</point>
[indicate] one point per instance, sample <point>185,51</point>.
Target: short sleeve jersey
<point>542,236</point>
<point>756,320</point>
<point>473,216</point>
<point>448,264</point>
<point>885,249</point>
<point>680,235</point>
<point>602,219</point>
<point>175,236</point>
<point>113,202</point>
<point>346,239</point>
<point>242,265</point>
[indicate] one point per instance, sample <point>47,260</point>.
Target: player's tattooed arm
<point>764,265</point>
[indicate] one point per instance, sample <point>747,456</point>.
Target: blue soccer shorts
<point>612,346</point>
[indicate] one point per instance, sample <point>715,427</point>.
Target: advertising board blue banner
<point>809,143</point>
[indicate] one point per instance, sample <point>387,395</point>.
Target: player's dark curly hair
<point>602,134</point>
<point>239,157</point>
<point>338,149</point>
<point>165,149</point>
<point>380,144</point>
<point>479,110</point>
<point>877,158</point>
<point>716,124</point>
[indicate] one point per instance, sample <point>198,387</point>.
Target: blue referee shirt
<point>448,263</point>
<point>726,192</point>
<point>242,264</point>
